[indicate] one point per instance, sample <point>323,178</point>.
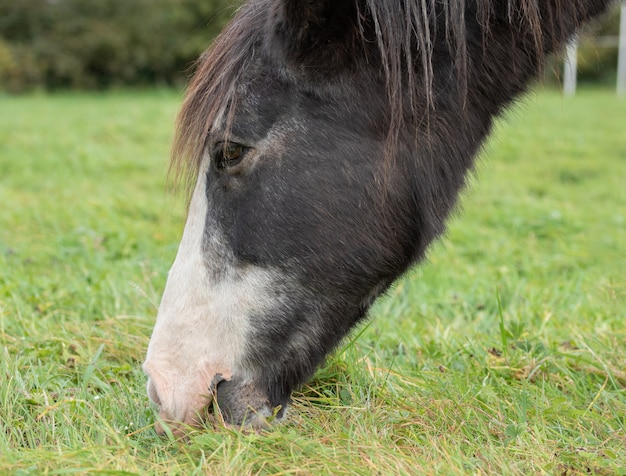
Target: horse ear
<point>314,35</point>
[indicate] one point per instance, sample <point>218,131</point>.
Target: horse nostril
<point>217,379</point>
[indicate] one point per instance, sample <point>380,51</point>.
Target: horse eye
<point>228,155</point>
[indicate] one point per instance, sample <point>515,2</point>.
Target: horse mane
<point>409,36</point>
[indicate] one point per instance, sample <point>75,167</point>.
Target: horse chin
<point>245,405</point>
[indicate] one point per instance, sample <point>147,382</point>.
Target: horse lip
<point>178,424</point>
<point>175,427</point>
<point>197,397</point>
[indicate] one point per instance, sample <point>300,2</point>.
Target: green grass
<point>504,354</point>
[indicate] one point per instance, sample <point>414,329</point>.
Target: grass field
<point>504,354</point>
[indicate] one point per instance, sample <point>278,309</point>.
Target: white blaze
<point>203,319</point>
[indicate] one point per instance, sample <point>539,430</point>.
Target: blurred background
<point>102,44</point>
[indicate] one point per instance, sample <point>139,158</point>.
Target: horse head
<point>328,142</point>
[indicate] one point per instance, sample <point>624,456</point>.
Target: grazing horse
<point>328,141</point>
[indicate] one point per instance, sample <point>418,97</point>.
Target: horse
<point>325,143</point>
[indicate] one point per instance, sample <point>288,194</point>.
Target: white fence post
<point>621,61</point>
<point>570,67</point>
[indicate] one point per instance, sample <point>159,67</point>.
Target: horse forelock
<point>211,96</point>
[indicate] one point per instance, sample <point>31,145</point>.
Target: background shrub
<point>83,44</point>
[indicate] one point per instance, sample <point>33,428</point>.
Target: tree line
<point>99,44</point>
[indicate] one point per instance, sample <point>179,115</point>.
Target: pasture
<point>505,353</point>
